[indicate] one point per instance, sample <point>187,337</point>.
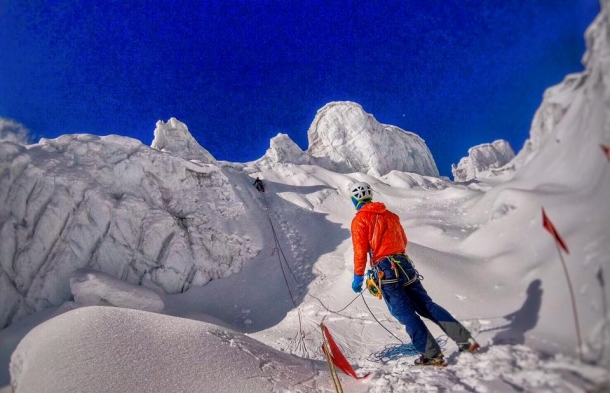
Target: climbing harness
<point>375,277</point>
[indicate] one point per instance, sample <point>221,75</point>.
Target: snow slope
<point>481,248</point>
<point>139,358</point>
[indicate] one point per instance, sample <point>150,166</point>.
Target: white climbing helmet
<point>360,190</point>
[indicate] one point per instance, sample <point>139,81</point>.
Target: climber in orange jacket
<point>378,233</point>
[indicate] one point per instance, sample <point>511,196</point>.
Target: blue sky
<point>456,72</point>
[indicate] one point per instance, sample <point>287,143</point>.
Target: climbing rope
<point>380,324</point>
<point>395,351</point>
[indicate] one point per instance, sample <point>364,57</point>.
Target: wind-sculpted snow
<point>116,205</point>
<point>146,217</point>
<point>107,349</point>
<point>482,160</point>
<point>344,138</point>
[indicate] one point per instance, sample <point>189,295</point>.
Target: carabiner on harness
<point>372,284</point>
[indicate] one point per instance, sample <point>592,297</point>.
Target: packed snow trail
<point>301,347</point>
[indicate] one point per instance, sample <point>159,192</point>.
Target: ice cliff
<point>344,138</point>
<point>118,206</point>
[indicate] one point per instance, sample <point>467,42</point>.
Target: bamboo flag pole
<point>576,323</point>
<point>331,365</point>
<point>602,285</point>
<point>548,225</point>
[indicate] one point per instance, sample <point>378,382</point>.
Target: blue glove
<point>357,283</point>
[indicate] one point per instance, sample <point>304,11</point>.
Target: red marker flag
<point>606,150</point>
<point>337,357</point>
<point>548,225</point>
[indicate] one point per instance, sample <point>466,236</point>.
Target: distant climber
<point>376,231</point>
<point>258,183</point>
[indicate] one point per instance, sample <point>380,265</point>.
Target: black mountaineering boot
<point>437,360</point>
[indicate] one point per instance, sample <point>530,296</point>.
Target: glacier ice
<point>116,205</point>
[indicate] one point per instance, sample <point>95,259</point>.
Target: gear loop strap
<point>397,262</point>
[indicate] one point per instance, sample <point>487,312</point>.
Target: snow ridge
<point>134,359</point>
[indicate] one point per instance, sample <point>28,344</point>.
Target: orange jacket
<point>378,229</point>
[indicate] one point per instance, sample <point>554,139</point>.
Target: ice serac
<point>482,160</point>
<point>14,132</point>
<point>174,137</point>
<point>283,150</point>
<point>118,206</point>
<point>344,138</point>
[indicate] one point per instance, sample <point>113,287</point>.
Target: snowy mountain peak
<point>482,159</point>
<point>283,150</point>
<point>344,138</point>
<point>174,137</point>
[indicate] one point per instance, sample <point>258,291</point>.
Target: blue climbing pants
<point>408,303</point>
